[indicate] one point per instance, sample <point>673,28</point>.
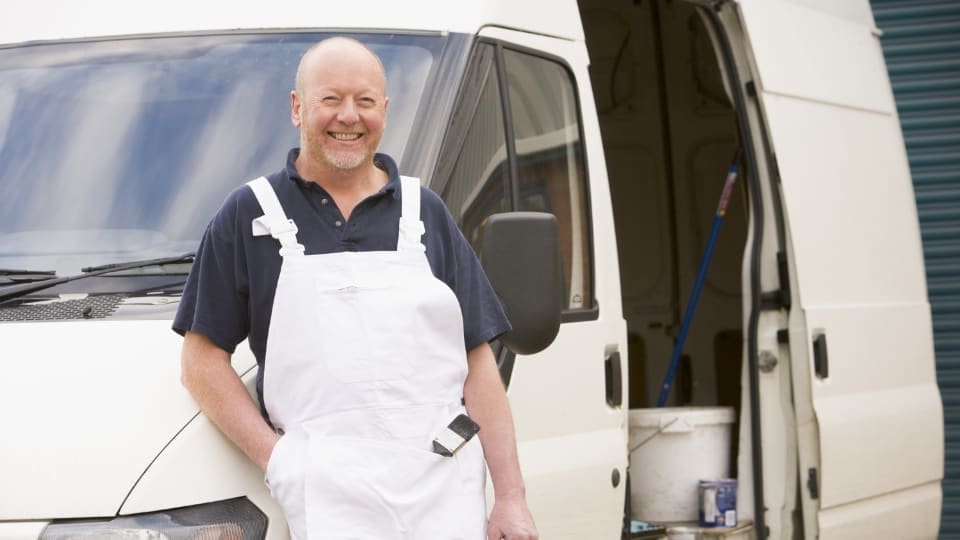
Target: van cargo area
<point>670,132</point>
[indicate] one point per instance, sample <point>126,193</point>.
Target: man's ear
<point>295,108</point>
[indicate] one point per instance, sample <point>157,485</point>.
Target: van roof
<point>42,20</point>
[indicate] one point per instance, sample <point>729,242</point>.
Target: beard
<point>343,160</point>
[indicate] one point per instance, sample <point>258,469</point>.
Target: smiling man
<point>370,318</point>
<point>341,112</point>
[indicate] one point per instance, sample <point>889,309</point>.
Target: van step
<point>691,531</point>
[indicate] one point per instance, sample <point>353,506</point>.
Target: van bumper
<point>21,530</point>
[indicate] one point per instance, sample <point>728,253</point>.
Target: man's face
<point>341,107</point>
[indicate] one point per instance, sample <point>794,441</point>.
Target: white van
<point>123,125</point>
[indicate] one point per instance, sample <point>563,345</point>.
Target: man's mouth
<point>345,136</point>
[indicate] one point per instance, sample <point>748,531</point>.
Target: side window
<point>477,185</point>
<point>543,146</point>
<point>550,163</point>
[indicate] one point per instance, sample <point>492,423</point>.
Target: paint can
<point>718,503</point>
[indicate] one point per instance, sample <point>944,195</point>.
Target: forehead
<point>344,66</point>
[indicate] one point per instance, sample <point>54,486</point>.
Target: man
<point>370,319</point>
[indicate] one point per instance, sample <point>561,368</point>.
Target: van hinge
<point>771,300</point>
<point>812,484</point>
<point>780,298</point>
<point>716,5</point>
<point>783,336</point>
<point>751,89</point>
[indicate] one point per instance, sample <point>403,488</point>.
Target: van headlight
<point>235,519</point>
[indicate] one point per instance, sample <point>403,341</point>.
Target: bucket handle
<point>664,427</point>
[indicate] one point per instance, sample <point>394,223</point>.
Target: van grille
<point>92,307</point>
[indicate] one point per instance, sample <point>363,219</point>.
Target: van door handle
<point>614,379</point>
<point>820,365</point>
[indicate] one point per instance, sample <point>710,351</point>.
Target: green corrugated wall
<point>921,43</point>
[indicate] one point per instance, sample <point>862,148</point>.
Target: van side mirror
<point>520,252</point>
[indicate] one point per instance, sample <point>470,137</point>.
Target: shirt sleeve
<point>483,317</point>
<point>214,301</point>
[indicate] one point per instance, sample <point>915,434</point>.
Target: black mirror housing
<point>520,252</point>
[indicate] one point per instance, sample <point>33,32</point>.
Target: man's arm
<point>486,401</point>
<point>210,379</point>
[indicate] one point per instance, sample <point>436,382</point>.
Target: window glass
<point>550,161</point>
<point>123,149</point>
<point>476,187</point>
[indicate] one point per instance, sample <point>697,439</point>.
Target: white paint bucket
<point>671,450</point>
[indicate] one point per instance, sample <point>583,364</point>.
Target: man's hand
<point>511,520</point>
<point>221,395</point>
<point>486,401</point>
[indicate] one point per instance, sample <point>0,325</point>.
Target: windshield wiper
<point>132,265</point>
<point>24,289</point>
<point>11,276</point>
<point>10,272</point>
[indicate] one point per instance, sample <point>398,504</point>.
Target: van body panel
<point>849,200</point>
<point>861,322</point>
<point>913,513</point>
<point>28,21</point>
<point>570,441</point>
<point>90,451</point>
<point>857,12</point>
<point>806,51</point>
<point>202,465</point>
<point>879,409</point>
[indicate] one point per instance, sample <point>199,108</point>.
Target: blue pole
<point>698,284</point>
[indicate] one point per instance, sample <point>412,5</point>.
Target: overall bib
<point>365,365</point>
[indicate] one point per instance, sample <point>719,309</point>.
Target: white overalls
<point>365,365</point>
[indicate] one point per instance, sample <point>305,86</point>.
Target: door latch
<point>614,379</point>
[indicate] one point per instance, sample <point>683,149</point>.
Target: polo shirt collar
<point>382,161</point>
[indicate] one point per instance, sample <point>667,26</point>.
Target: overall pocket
<point>362,488</point>
<point>285,476</point>
<point>367,331</point>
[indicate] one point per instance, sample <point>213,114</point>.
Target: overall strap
<point>411,227</point>
<point>274,221</point>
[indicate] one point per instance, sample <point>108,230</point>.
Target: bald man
<point>370,319</point>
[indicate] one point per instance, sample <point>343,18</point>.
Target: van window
<point>476,187</point>
<point>550,162</point>
<point>543,146</point>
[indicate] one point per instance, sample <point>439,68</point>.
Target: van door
<point>869,415</point>
<point>519,141</point>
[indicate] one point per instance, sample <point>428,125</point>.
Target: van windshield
<point>123,149</point>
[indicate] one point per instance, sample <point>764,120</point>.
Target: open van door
<point>869,414</point>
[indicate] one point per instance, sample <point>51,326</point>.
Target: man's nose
<point>348,111</point>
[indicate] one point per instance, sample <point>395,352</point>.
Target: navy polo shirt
<point>229,293</point>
